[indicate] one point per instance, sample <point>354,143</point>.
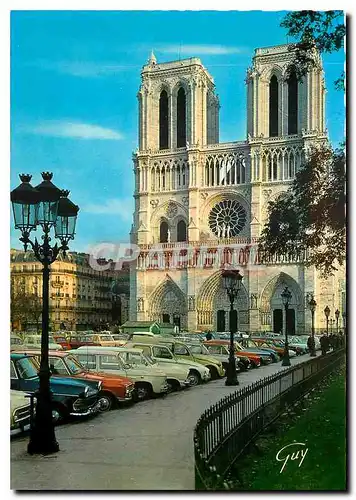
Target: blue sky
<point>74,80</point>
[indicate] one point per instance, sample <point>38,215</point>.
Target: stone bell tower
<point>278,103</point>
<point>177,105</point>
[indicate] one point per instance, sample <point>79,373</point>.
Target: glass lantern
<point>25,205</point>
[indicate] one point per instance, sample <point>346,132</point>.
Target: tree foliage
<point>25,308</point>
<point>324,31</point>
<point>311,214</point>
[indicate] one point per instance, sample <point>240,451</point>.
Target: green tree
<point>311,214</point>
<point>321,30</point>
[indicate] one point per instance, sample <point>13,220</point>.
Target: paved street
<point>145,447</point>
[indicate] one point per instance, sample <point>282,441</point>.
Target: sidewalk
<point>145,447</point>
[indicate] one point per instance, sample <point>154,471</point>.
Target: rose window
<point>227,219</point>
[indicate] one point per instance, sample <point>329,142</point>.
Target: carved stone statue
<point>253,301</point>
<point>228,231</point>
<point>218,229</point>
<point>168,236</point>
<point>223,235</point>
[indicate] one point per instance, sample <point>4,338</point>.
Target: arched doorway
<point>167,303</point>
<point>278,320</point>
<point>272,315</point>
<point>220,321</point>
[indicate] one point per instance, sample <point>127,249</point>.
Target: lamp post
<point>48,207</point>
<point>232,281</point>
<point>327,314</point>
<point>312,307</point>
<point>344,321</point>
<point>286,298</point>
<point>331,321</point>
<point>337,315</point>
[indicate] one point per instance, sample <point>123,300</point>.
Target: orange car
<point>114,388</point>
<point>253,357</point>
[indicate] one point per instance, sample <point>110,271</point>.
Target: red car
<point>114,388</point>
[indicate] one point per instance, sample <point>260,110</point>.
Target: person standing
<point>208,335</point>
<point>324,344</point>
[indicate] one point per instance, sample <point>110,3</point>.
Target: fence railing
<point>226,429</point>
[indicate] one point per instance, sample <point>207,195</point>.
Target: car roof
<point>18,355</point>
<point>102,349</point>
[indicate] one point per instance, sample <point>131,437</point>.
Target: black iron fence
<point>226,429</point>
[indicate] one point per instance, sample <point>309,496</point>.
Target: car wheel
<point>213,372</point>
<point>144,391</point>
<point>59,414</point>
<point>173,385</point>
<point>194,378</point>
<point>105,401</point>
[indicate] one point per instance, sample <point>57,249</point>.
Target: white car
<point>164,357</point>
<point>149,380</point>
<point>19,412</point>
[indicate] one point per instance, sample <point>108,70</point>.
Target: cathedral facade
<point>200,205</point>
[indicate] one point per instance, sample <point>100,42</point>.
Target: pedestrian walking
<point>324,344</point>
<point>311,343</point>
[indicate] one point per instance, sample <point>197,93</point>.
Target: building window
<point>273,107</point>
<point>163,232</point>
<point>181,119</point>
<point>163,120</point>
<point>292,104</point>
<point>181,231</point>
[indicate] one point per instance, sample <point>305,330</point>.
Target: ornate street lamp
<point>337,315</point>
<point>48,207</point>
<point>312,307</point>
<point>327,314</point>
<point>286,298</point>
<point>232,281</point>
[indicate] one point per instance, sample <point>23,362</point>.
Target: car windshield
<point>27,367</point>
<point>133,358</point>
<point>214,349</point>
<point>105,337</point>
<point>73,365</point>
<point>198,349</point>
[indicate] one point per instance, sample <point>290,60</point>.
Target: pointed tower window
<point>273,107</point>
<point>163,120</point>
<point>292,104</point>
<point>181,119</point>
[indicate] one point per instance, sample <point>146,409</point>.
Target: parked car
<point>20,412</point>
<point>182,351</point>
<point>251,345</point>
<point>197,373</point>
<point>114,388</point>
<point>69,396</point>
<point>200,348</point>
<point>149,380</point>
<point>34,341</point>
<point>275,346</point>
<point>254,358</point>
<point>222,350</point>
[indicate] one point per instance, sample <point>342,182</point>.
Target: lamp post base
<point>286,359</point>
<point>231,376</point>
<point>42,437</point>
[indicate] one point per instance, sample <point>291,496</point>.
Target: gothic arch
<point>282,279</point>
<point>210,293</point>
<point>181,83</point>
<point>268,72</point>
<point>167,299</point>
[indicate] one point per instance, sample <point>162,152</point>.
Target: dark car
<point>70,397</point>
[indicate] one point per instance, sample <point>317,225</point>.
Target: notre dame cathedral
<point>201,205</point>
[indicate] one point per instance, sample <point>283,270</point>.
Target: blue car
<point>70,397</point>
<point>251,346</point>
